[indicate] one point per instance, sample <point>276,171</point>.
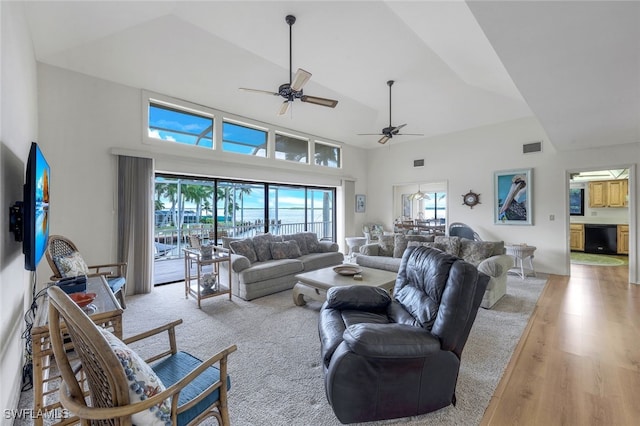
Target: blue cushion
<point>174,368</point>
<point>116,283</point>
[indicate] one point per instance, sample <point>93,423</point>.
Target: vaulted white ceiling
<point>457,65</point>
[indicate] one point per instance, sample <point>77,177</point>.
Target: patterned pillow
<point>143,383</point>
<point>300,239</point>
<point>244,248</point>
<point>261,244</point>
<point>475,252</point>
<point>386,245</point>
<point>451,244</point>
<point>285,249</point>
<point>71,265</point>
<point>401,240</point>
<point>313,245</point>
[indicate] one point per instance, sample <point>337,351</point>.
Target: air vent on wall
<point>418,163</point>
<point>528,148</point>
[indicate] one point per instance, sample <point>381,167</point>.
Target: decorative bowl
<point>82,299</point>
<point>347,270</point>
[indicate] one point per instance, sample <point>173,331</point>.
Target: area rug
<point>598,259</point>
<point>276,373</point>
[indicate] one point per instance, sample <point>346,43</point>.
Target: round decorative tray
<point>82,299</point>
<point>347,269</point>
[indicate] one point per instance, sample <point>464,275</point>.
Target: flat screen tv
<point>35,208</point>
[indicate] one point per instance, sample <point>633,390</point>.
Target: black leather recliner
<point>387,358</point>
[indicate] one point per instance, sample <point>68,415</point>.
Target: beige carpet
<point>276,374</point>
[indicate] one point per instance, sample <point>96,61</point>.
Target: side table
<point>194,280</point>
<point>520,253</point>
<point>105,311</point>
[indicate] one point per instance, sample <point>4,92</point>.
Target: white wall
<point>18,127</point>
<point>85,119</point>
<point>467,161</point>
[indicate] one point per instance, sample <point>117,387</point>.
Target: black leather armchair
<point>386,358</point>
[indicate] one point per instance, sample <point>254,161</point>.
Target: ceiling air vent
<point>528,148</point>
<point>418,163</point>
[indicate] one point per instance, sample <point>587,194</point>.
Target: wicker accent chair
<point>195,390</point>
<point>60,248</point>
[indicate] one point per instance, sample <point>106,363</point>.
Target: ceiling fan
<point>391,131</point>
<point>293,89</point>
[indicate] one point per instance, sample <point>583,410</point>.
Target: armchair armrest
<point>118,269</point>
<point>390,340</point>
<point>169,328</point>
<point>496,266</point>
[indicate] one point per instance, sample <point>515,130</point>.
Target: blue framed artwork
<point>513,191</point>
<point>576,201</point>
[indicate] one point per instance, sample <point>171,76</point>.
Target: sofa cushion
<point>262,246</point>
<point>71,265</point>
<point>244,248</point>
<point>498,248</point>
<point>475,252</point>
<point>386,243</point>
<point>227,240</point>
<point>300,239</point>
<point>449,245</point>
<point>400,242</point>
<point>379,262</point>
<point>262,271</point>
<point>284,249</point>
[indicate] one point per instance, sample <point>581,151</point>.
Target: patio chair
<point>66,261</point>
<point>122,388</point>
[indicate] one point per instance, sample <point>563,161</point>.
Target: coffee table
<point>314,284</point>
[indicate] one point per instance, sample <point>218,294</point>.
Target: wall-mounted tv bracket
<point>16,215</point>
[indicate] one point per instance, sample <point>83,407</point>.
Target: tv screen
<point>35,208</point>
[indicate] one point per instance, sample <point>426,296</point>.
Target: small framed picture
<point>361,203</point>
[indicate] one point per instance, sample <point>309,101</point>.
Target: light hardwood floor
<point>578,362</point>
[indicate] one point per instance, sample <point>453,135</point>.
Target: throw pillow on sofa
<point>284,249</point>
<point>449,245</point>
<point>313,245</point>
<point>244,248</point>
<point>475,252</point>
<point>262,246</point>
<point>386,245</point>
<point>300,239</point>
<point>401,240</point>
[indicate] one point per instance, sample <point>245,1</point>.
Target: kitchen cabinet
<point>608,193</point>
<point>623,239</point>
<point>576,240</point>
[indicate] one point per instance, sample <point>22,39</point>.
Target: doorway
<point>599,217</point>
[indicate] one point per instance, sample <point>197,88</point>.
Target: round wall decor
<point>471,199</point>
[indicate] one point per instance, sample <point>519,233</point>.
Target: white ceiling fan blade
<point>331,103</point>
<point>369,134</point>
<point>300,79</point>
<point>384,139</point>
<point>268,92</point>
<point>409,134</point>
<point>284,108</point>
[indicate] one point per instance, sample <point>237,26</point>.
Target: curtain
<point>135,221</point>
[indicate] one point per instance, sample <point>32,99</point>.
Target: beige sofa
<point>489,257</point>
<point>268,263</point>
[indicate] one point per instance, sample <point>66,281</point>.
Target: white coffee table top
<point>326,278</point>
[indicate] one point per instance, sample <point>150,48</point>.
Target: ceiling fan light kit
<point>293,89</point>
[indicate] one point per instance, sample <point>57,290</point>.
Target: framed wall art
<point>361,203</point>
<point>407,205</point>
<point>576,201</point>
<point>513,191</point>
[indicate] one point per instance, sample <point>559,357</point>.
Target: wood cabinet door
<point>617,193</point>
<point>576,240</point>
<point>597,194</point>
<point>623,239</point>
